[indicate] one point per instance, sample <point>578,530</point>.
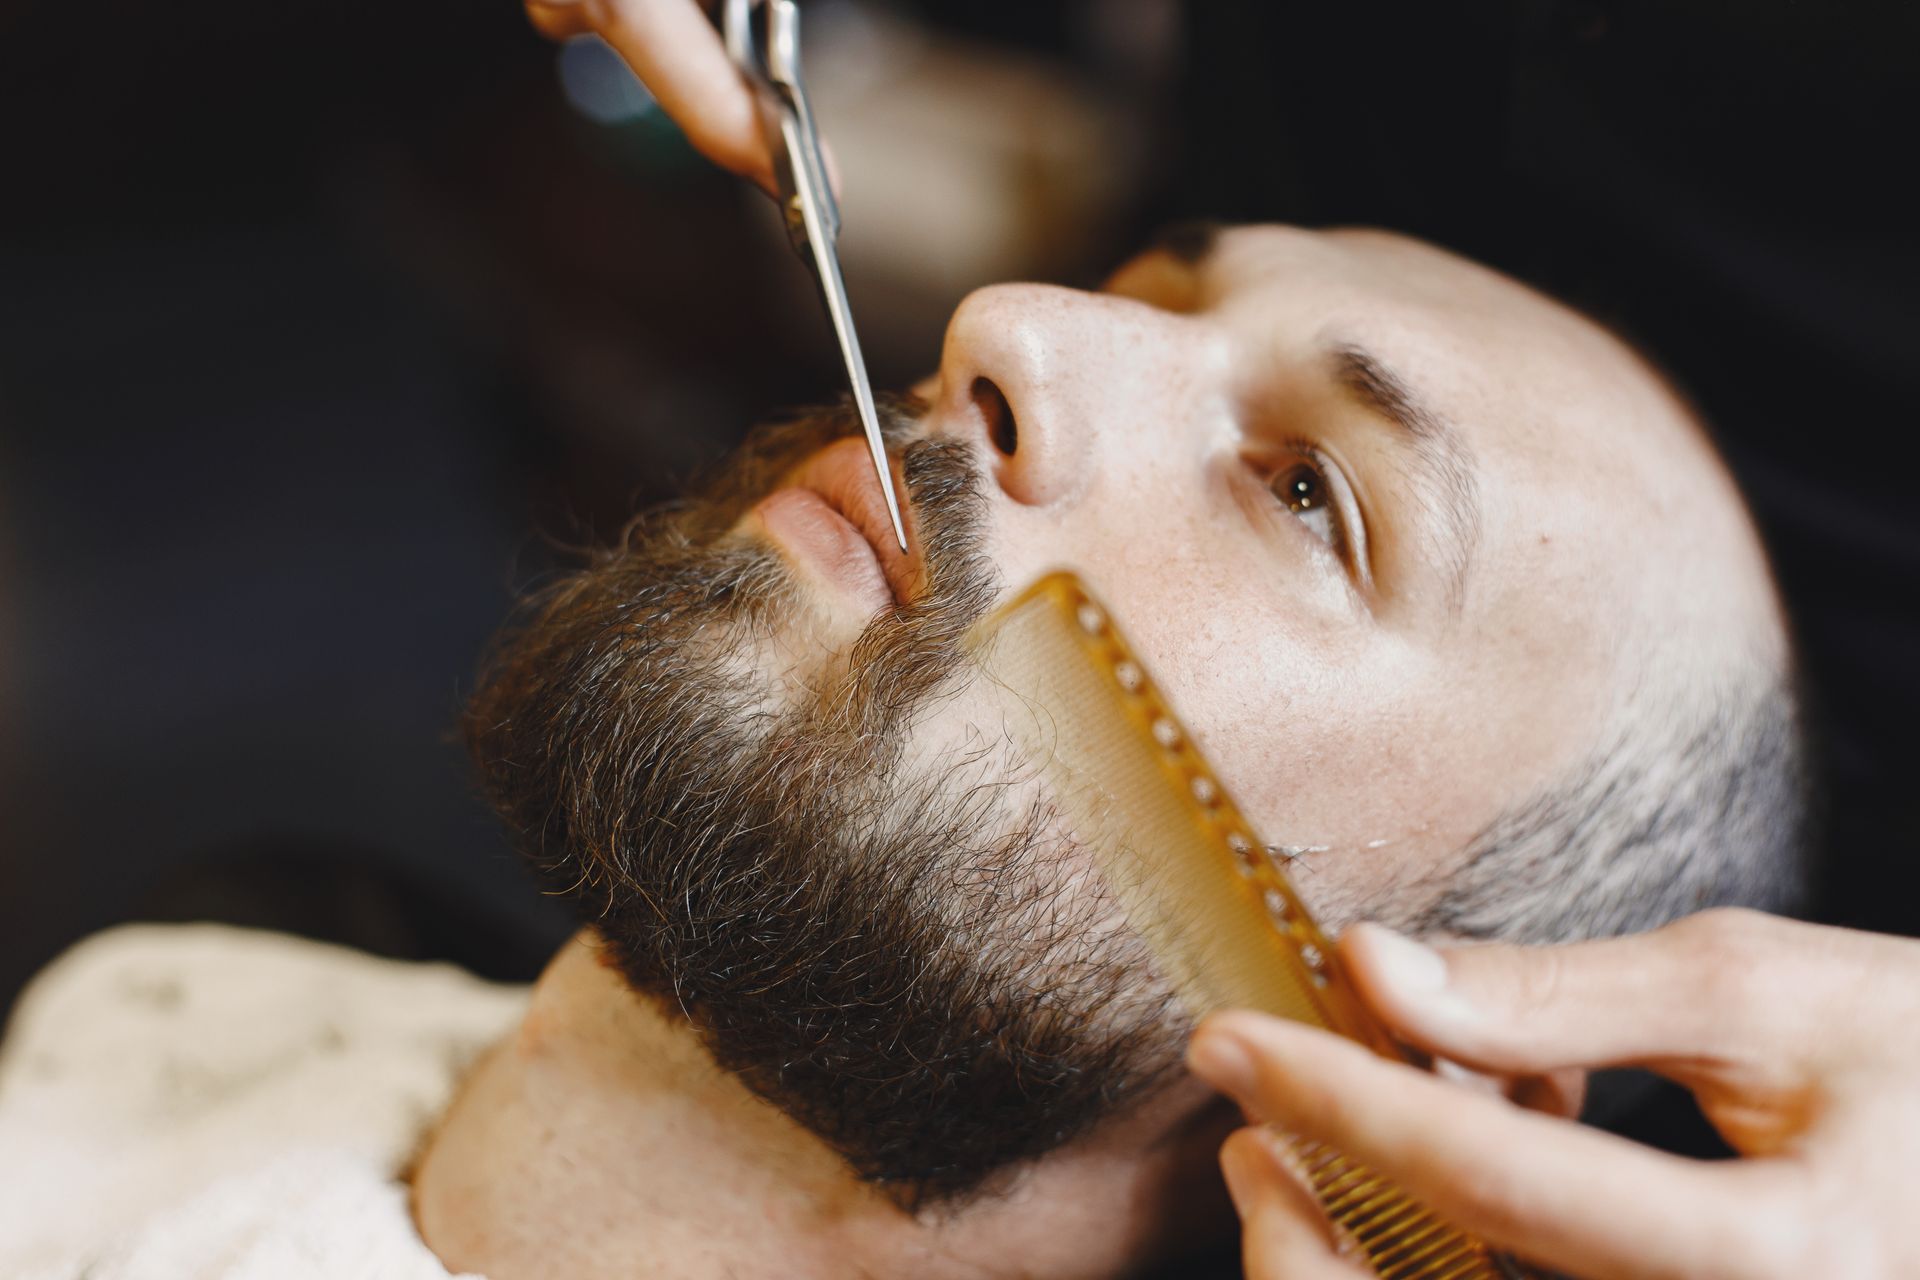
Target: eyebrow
<point>1448,479</point>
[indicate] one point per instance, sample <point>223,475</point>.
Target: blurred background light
<point>599,85</point>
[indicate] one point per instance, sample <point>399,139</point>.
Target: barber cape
<point>205,1103</point>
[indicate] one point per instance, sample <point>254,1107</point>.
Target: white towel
<point>211,1103</point>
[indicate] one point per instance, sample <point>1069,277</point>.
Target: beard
<point>897,945</point>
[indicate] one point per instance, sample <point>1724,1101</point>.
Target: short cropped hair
<point>1695,801</point>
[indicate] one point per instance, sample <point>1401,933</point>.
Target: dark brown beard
<point>898,961</point>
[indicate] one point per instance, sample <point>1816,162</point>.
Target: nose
<point>1049,376</point>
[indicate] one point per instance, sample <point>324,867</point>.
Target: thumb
<point>1705,988</point>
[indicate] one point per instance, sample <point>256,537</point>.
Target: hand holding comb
<point>1197,884</point>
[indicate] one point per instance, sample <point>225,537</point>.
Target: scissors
<point>771,66</point>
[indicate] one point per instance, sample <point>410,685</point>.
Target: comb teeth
<point>1196,883</point>
<point>1399,1237</point>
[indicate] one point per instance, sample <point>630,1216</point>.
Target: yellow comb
<point>1196,882</point>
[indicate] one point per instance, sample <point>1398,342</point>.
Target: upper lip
<point>842,473</point>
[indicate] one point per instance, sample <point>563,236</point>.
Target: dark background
<point>320,324</point>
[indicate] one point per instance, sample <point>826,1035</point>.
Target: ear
<point>1558,1093</point>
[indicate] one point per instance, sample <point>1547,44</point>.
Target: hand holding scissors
<point>755,83</point>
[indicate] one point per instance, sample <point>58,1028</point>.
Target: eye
<point>1304,490</point>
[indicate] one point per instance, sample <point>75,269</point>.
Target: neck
<point>600,1140</point>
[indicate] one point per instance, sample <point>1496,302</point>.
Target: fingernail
<point>1414,968</point>
<point>1466,1077</point>
<point>1418,973</point>
<point>1223,1060</point>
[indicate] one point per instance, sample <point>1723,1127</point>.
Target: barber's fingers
<point>677,52</point>
<point>1543,1188</point>
<point>1283,1233</point>
<point>1722,989</point>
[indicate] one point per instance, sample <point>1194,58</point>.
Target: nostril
<point>997,414</point>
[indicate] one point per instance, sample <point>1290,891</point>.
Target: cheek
<point>1279,689</point>
<point>1334,736</point>
<point>1330,751</point>
<point>1311,733</point>
<point>1306,714</point>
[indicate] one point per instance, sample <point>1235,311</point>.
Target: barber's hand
<point>677,52</point>
<point>1801,1043</point>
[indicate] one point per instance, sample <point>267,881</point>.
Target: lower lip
<point>826,544</point>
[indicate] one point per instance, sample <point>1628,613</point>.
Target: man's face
<point>1388,530</point>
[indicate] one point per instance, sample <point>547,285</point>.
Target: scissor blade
<point>833,291</point>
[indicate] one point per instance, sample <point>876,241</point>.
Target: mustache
<point>905,656</point>
<point>689,559</point>
<point>685,562</point>
<point>716,501</point>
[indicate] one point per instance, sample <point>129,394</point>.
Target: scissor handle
<point>769,59</point>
